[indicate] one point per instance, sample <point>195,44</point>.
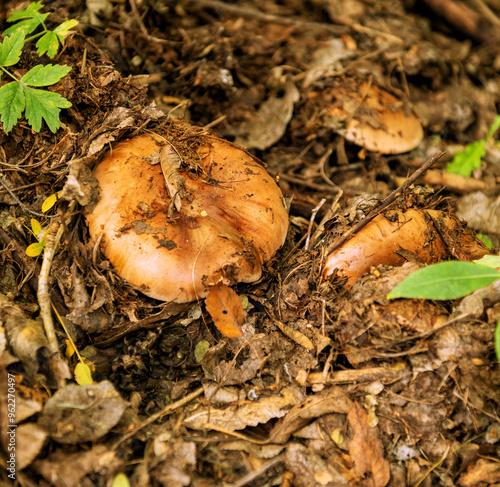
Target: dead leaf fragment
<point>240,416</point>
<point>75,414</point>
<point>62,468</point>
<point>30,439</point>
<point>332,400</point>
<point>225,308</point>
<point>366,449</point>
<point>311,470</point>
<point>483,472</point>
<point>271,120</point>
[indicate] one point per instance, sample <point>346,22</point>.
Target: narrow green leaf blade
<point>11,48</point>
<point>497,340</point>
<point>446,280</point>
<point>41,104</point>
<point>494,127</point>
<point>12,104</point>
<point>45,75</point>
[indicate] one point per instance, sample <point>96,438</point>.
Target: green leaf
<point>486,240</point>
<point>45,75</point>
<point>35,249</point>
<point>42,104</point>
<point>50,201</point>
<point>27,26</point>
<point>48,43</point>
<point>11,48</point>
<point>12,102</point>
<point>446,280</point>
<point>62,30</point>
<point>31,11</point>
<point>497,341</point>
<point>200,350</point>
<point>30,18</point>
<point>494,127</point>
<point>465,162</point>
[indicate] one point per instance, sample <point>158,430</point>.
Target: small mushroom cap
<point>232,219</point>
<point>379,122</point>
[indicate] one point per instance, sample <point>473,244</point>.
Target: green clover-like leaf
<point>31,11</point>
<point>11,48</point>
<point>48,43</point>
<point>12,103</point>
<point>465,162</point>
<point>46,105</point>
<point>27,19</point>
<point>27,26</point>
<point>45,75</point>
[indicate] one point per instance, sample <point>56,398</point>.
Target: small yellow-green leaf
<point>35,249</point>
<point>83,376</point>
<point>121,480</point>
<point>50,201</point>
<point>201,350</point>
<point>36,228</point>
<point>70,349</point>
<point>492,261</point>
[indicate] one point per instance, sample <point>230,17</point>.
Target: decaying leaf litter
<point>329,385</point>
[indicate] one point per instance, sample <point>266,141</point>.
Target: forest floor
<point>332,384</point>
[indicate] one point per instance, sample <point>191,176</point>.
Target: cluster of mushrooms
<point>175,220</point>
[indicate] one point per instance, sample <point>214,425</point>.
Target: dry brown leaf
<point>366,449</point>
<point>225,308</point>
<point>331,400</point>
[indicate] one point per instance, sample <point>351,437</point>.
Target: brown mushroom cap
<point>232,219</point>
<point>373,118</point>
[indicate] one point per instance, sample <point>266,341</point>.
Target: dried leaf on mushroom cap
<point>231,220</point>
<point>370,117</point>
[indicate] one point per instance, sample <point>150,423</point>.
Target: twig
<point>138,19</point>
<point>384,204</point>
<point>166,410</point>
<point>251,476</point>
<point>487,12</point>
<point>334,207</point>
<point>3,182</point>
<point>43,294</point>
<point>311,221</point>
